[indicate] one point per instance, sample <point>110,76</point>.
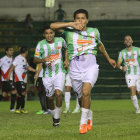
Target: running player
<point>41,91</point>
<point>8,86</point>
<point>21,66</point>
<point>67,96</point>
<point>129,62</point>
<point>83,43</point>
<point>50,52</point>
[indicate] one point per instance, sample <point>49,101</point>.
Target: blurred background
<point>22,21</point>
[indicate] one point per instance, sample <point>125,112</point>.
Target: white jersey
<point>5,64</point>
<point>21,66</point>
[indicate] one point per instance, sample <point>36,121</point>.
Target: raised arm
<point>10,71</point>
<point>104,52</point>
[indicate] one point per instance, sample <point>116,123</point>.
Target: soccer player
<point>21,66</point>
<point>41,90</point>
<point>67,96</point>
<point>129,62</point>
<point>8,86</point>
<point>82,45</point>
<point>49,53</point>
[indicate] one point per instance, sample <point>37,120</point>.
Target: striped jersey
<point>81,42</point>
<point>54,51</point>
<point>5,64</point>
<point>131,60</point>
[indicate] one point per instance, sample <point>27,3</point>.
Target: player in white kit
<point>82,45</point>
<point>20,66</point>
<point>8,86</point>
<point>49,53</point>
<point>129,62</point>
<point>67,96</point>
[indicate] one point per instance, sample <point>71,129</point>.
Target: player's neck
<point>50,42</point>
<point>84,29</point>
<point>23,55</point>
<point>8,56</point>
<point>129,48</point>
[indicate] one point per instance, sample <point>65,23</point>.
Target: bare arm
<point>103,51</point>
<point>10,71</point>
<point>66,62</point>
<point>31,69</point>
<point>38,71</point>
<point>60,25</point>
<point>37,60</point>
<point>123,68</point>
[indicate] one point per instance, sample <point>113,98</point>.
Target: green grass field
<point>113,120</point>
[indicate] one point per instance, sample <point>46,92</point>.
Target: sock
<point>57,112</point>
<point>52,112</point>
<point>135,101</point>
<point>47,104</point>
<point>84,116</point>
<point>67,99</point>
<point>22,101</point>
<point>42,99</point>
<point>13,99</point>
<point>18,102</point>
<point>77,105</point>
<point>90,115</point>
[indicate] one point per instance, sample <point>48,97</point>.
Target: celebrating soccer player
<point>49,53</point>
<point>129,62</point>
<point>82,44</point>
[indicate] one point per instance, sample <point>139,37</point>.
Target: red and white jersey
<point>5,64</point>
<point>21,66</point>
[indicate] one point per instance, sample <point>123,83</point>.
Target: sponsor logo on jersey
<point>58,48</point>
<point>37,53</point>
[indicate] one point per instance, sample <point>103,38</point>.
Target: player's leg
<point>131,83</point>
<point>138,86</point>
<point>13,96</point>
<point>42,96</point>
<point>4,90</point>
<point>59,80</point>
<point>67,94</point>
<point>67,97</point>
<point>89,79</point>
<point>77,108</point>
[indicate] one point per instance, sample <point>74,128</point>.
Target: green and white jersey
<point>54,51</point>
<point>131,60</point>
<point>82,42</point>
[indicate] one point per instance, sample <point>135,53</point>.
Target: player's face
<point>49,35</point>
<point>10,52</point>
<point>81,17</point>
<point>128,41</point>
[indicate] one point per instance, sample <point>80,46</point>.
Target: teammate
<point>8,86</point>
<point>41,91</point>
<point>129,62</point>
<point>67,96</point>
<point>49,53</point>
<point>21,66</point>
<point>83,43</point>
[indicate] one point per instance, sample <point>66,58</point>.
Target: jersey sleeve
<point>0,62</point>
<point>98,36</point>
<point>15,62</point>
<point>120,58</point>
<point>38,53</point>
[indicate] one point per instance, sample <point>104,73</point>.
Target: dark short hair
<point>23,50</point>
<point>83,11</point>
<point>46,28</point>
<point>7,48</point>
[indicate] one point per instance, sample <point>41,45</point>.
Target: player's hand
<point>77,25</point>
<point>46,59</point>
<point>112,62</point>
<point>124,68</point>
<point>66,64</point>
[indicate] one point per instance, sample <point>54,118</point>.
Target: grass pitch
<point>113,120</point>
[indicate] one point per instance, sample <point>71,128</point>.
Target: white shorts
<point>77,79</point>
<point>68,81</point>
<point>133,80</point>
<point>53,83</point>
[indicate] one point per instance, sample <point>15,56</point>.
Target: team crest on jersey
<point>8,62</point>
<point>134,54</point>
